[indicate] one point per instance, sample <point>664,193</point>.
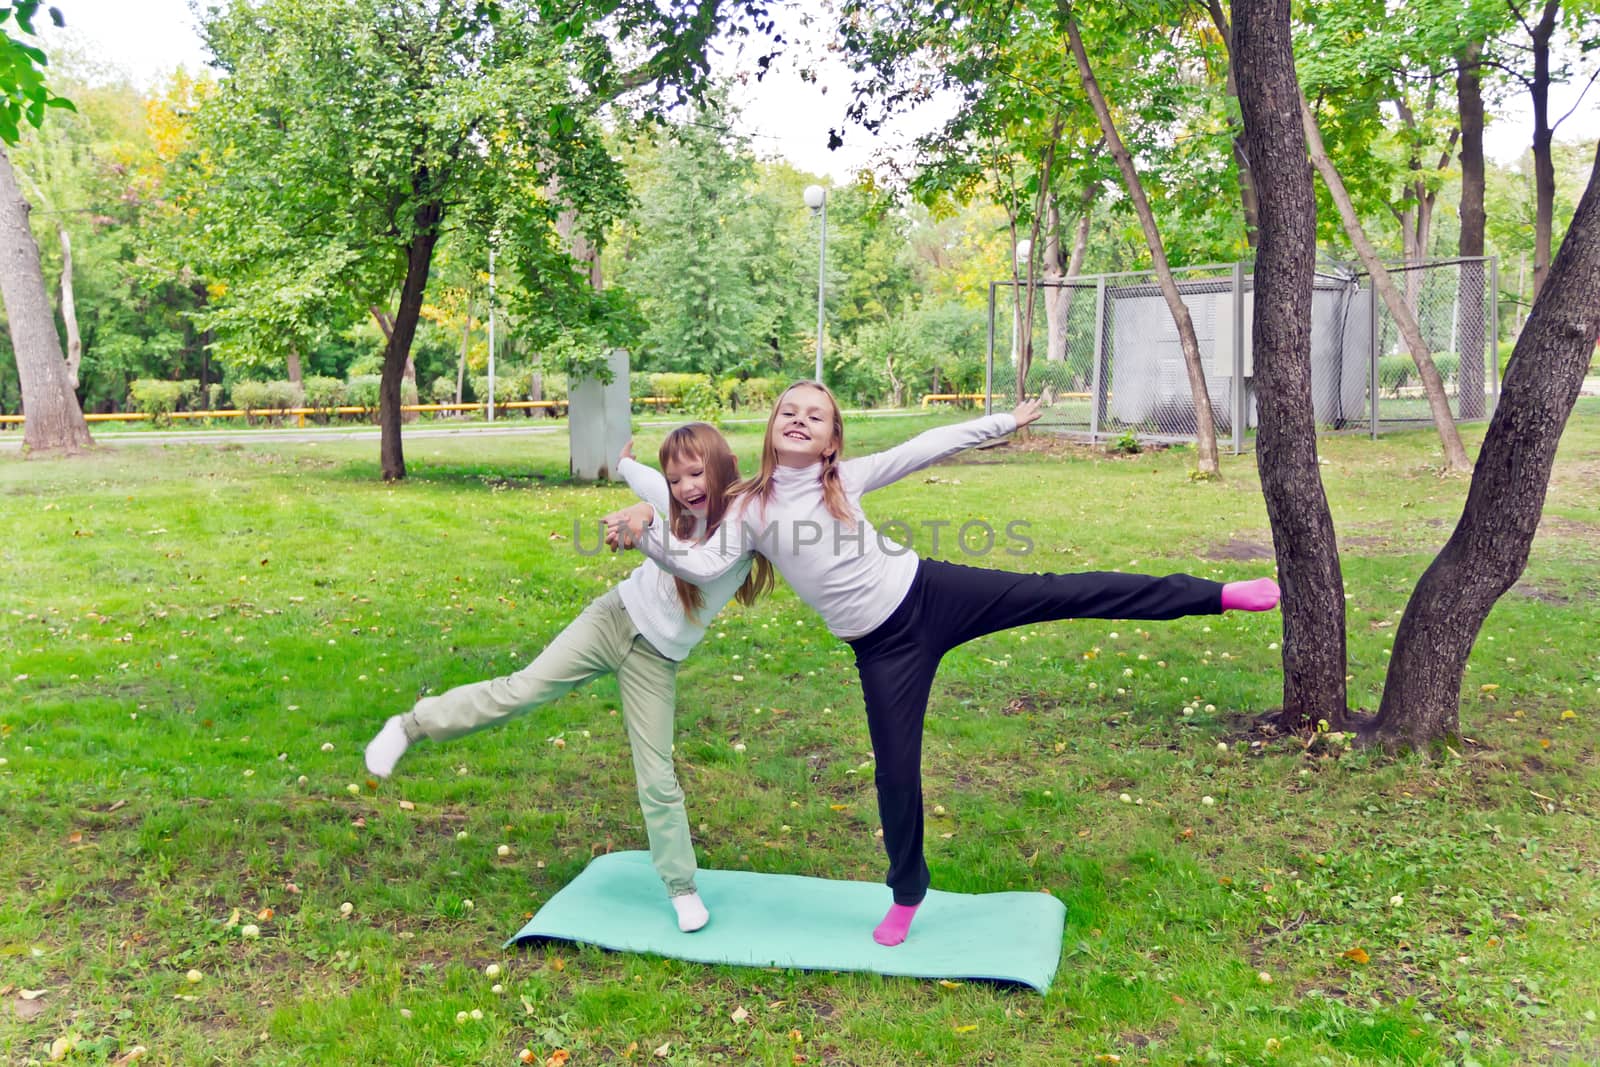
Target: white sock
<point>385,750</point>
<point>692,913</point>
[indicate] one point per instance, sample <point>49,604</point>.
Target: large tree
<point>1286,441</point>
<point>347,139</point>
<point>1488,549</point>
<point>54,418</point>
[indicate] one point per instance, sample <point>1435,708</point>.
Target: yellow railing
<point>300,413</point>
<point>951,398</point>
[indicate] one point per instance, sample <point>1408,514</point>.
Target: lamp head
<point>815,196</point>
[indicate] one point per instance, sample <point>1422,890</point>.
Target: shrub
<point>323,393</point>
<point>1394,372</point>
<point>285,394</point>
<point>155,397</point>
<point>753,393</point>
<point>214,396</point>
<point>703,403</point>
<point>362,390</point>
<point>1126,445</point>
<point>249,397</point>
<point>675,388</point>
<point>189,394</point>
<point>443,390</point>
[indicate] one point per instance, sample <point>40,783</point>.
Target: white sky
<point>784,116</point>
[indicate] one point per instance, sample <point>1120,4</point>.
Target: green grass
<point>199,639</point>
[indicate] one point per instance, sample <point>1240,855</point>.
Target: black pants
<point>949,605</point>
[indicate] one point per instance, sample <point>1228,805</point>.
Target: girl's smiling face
<point>802,427</point>
<point>686,478</point>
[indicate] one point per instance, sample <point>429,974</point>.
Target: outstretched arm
<point>883,468</point>
<point>641,527</point>
<point>647,483</point>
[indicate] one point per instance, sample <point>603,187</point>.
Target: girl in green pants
<point>639,631</point>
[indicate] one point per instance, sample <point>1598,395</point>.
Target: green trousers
<point>602,640</point>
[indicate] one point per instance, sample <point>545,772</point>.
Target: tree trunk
<point>410,379</point>
<point>1489,547</point>
<point>1286,438</point>
<point>54,418</point>
<point>1544,170</point>
<point>397,354</point>
<point>466,342</point>
<point>1471,335</point>
<point>1455,454</point>
<point>1046,173</point>
<point>1058,312</point>
<point>69,308</point>
<point>296,375</point>
<point>1205,424</point>
<point>1248,197</point>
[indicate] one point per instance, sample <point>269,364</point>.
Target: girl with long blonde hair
<point>900,614</point>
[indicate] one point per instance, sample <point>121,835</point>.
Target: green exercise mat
<point>784,920</point>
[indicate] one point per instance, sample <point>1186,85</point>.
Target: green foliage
<point>1128,444</point>
<point>755,394</point>
<point>24,96</point>
<point>703,403</point>
<point>390,126</point>
<point>252,396</point>
<point>442,391</point>
<point>362,390</point>
<point>675,387</point>
<point>157,398</point>
<point>323,392</point>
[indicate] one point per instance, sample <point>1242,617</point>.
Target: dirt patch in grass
<point>1557,526</point>
<point>1238,548</point>
<point>1543,592</point>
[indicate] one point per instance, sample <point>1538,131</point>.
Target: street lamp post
<point>817,200</point>
<point>491,331</point>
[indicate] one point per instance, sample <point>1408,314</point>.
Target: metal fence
<point>1108,362</point>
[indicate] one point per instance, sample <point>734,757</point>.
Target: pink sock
<point>1258,595</point>
<point>895,925</point>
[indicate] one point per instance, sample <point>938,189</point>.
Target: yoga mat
<point>783,920</point>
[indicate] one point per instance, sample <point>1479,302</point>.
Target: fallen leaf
<point>663,1051</point>
<point>966,1029</point>
<point>796,1036</point>
<point>406,805</point>
<point>133,1055</point>
<point>28,1010</point>
<point>1356,955</point>
<point>60,1047</point>
<point>74,837</point>
<point>33,994</point>
<point>558,1058</point>
<point>1108,1057</point>
<point>739,1015</point>
<point>265,915</point>
<point>949,984</point>
<point>558,964</point>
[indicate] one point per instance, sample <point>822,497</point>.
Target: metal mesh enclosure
<point>1107,359</point>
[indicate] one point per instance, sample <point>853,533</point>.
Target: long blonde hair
<point>833,494</point>
<point>703,443</point>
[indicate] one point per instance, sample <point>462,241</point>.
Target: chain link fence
<point>1107,360</point>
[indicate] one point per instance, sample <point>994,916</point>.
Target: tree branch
<point>1587,86</point>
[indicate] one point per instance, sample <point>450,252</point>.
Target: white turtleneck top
<point>649,593</point>
<point>850,573</point>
